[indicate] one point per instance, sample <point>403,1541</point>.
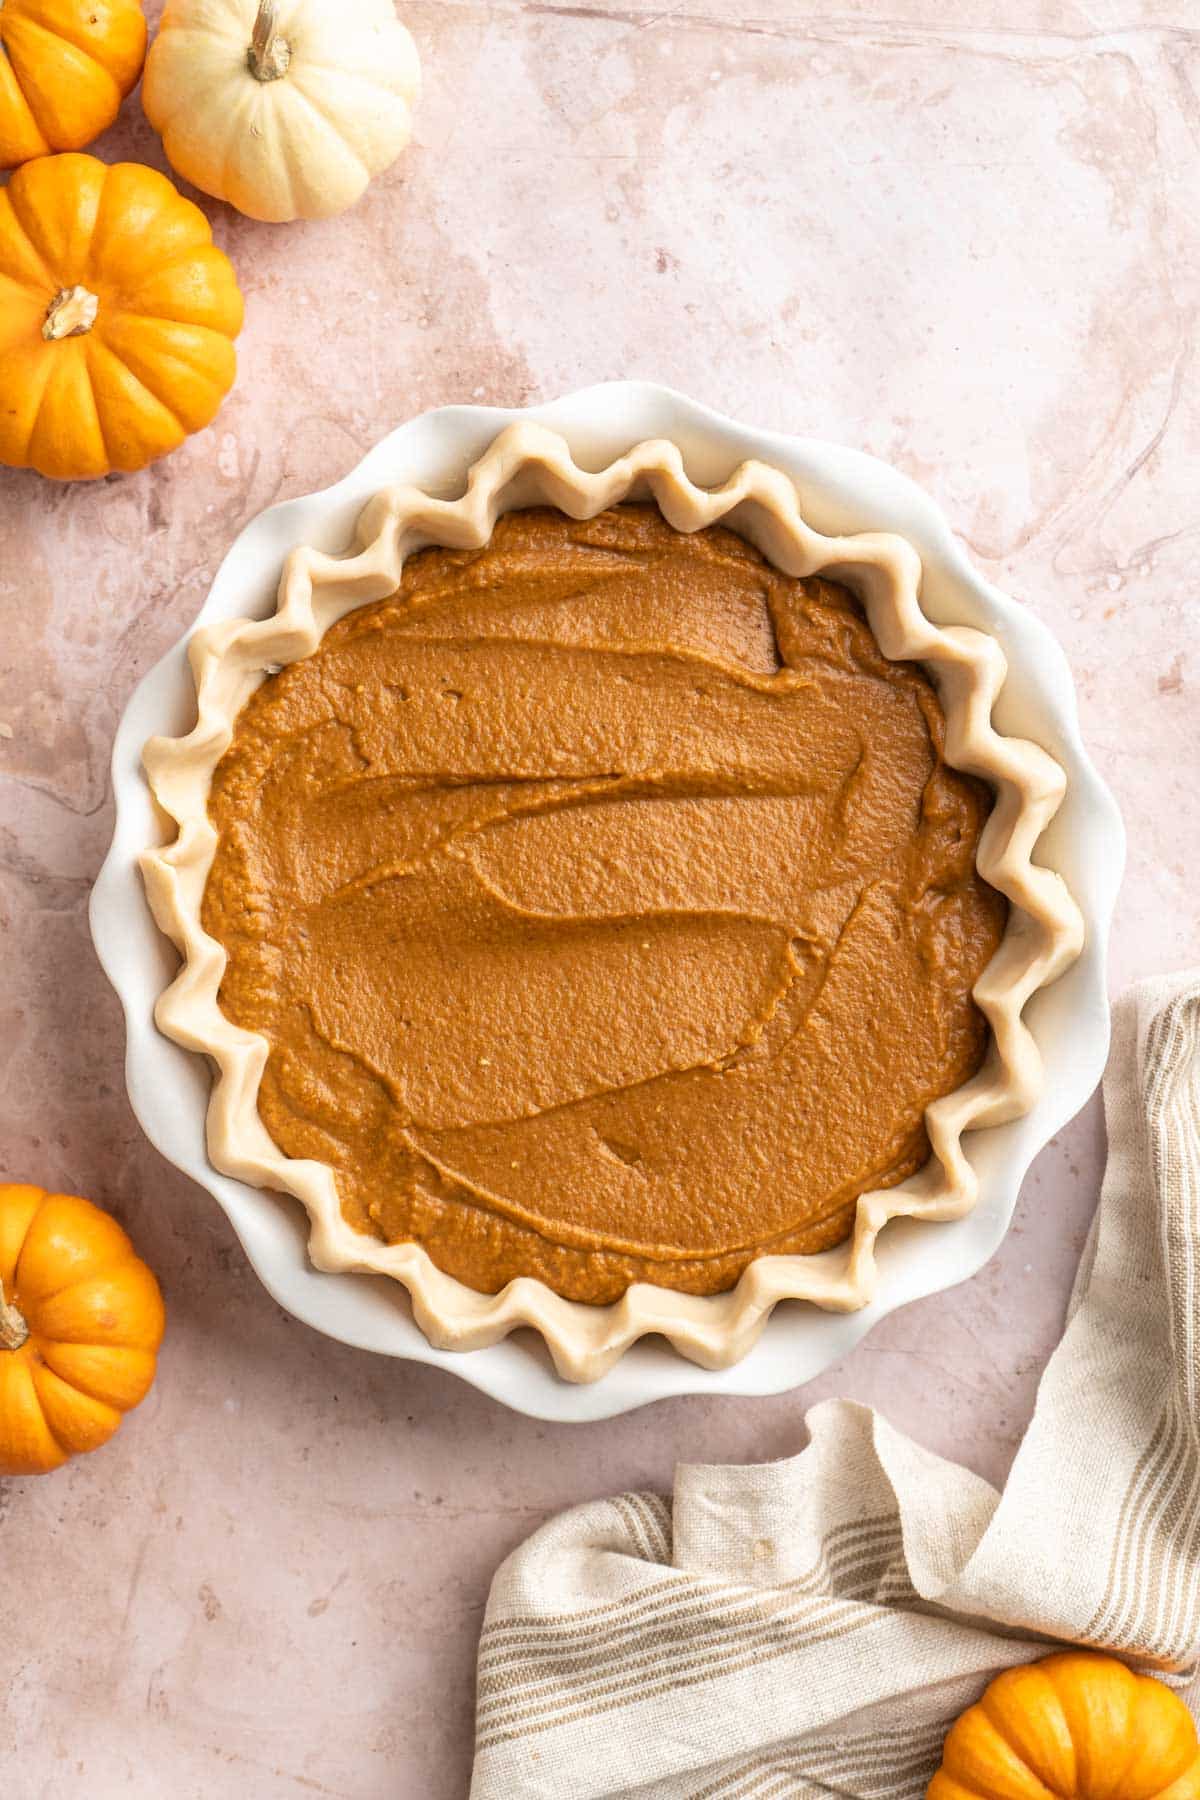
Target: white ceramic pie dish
<point>841,492</point>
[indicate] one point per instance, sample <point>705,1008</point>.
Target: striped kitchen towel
<point>812,1627</point>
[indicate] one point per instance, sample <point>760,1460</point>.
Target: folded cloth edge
<point>812,1626</point>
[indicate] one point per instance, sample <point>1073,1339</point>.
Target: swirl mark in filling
<point>608,906</point>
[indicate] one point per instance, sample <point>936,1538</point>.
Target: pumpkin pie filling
<point>607,905</point>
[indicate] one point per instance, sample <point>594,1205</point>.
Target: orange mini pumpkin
<point>117,318</point>
<point>65,67</point>
<point>1075,1726</point>
<point>81,1319</point>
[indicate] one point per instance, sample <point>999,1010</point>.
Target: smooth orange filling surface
<point>607,904</point>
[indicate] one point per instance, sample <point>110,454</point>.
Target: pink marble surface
<point>969,248</point>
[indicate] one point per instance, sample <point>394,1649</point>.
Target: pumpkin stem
<point>268,56</point>
<point>13,1329</point>
<point>71,313</point>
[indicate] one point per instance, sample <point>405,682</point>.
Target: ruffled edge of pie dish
<point>529,465</point>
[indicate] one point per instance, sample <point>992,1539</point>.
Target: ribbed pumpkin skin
<point>157,358</point>
<point>95,1321</point>
<point>1076,1726</point>
<point>65,67</point>
<point>303,143</point>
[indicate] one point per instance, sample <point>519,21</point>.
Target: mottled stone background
<point>969,247</point>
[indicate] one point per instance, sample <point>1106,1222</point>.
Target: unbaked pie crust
<point>528,465</point>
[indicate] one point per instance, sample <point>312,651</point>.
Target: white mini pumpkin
<point>285,108</point>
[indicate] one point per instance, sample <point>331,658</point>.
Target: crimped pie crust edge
<point>529,465</point>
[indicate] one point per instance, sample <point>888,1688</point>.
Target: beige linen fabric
<point>812,1627</point>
